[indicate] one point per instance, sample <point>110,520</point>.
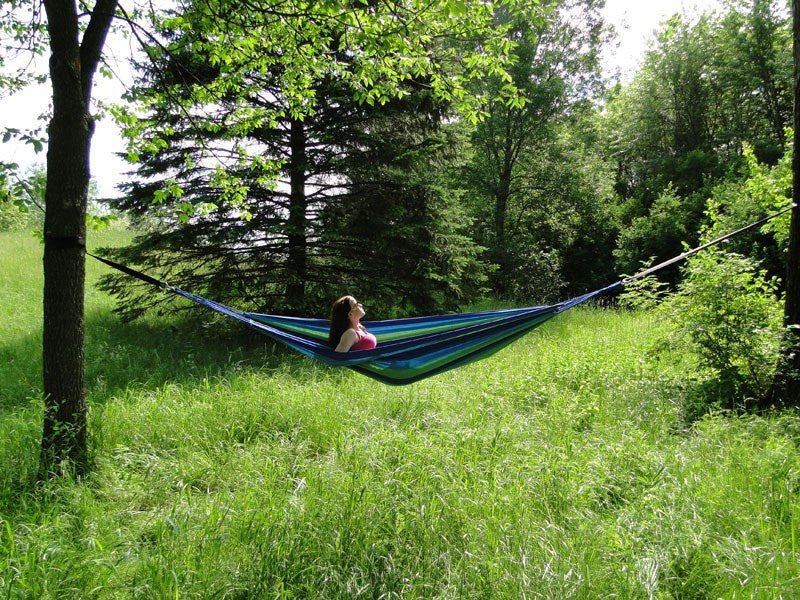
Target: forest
<point>427,158</point>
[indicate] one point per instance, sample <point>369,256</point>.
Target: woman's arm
<point>349,338</point>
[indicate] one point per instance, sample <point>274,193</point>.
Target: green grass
<point>227,468</point>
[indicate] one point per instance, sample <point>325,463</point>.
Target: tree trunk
<point>296,229</point>
<point>786,387</point>
<point>762,55</point>
<point>500,243</point>
<point>72,67</point>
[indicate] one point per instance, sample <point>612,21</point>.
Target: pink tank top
<point>366,341</point>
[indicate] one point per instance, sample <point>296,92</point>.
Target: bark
<point>297,260</point>
<point>500,253</point>
<point>786,386</point>
<point>72,66</point>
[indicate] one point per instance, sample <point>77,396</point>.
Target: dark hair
<point>340,319</point>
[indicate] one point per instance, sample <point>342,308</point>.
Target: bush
<point>645,293</point>
<point>14,217</point>
<point>729,312</point>
<point>671,221</point>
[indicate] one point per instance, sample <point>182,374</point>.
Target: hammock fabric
<point>418,347</point>
<point>408,349</point>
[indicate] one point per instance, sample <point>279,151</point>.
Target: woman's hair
<point>340,319</point>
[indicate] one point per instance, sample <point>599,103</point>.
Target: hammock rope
<point>713,242</point>
<point>414,348</point>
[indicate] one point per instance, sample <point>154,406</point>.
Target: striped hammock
<point>408,349</point>
<point>418,347</point>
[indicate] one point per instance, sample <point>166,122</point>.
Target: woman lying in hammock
<point>347,333</point>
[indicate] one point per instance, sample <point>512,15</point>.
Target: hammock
<point>414,348</point>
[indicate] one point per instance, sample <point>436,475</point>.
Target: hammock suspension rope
<point>415,348</point>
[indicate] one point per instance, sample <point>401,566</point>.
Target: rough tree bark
<point>72,68</point>
<point>296,227</point>
<point>786,386</point>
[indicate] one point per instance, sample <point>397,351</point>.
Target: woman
<point>347,333</point>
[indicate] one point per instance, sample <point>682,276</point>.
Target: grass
<point>227,468</point>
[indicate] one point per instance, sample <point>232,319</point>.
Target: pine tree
<point>356,209</point>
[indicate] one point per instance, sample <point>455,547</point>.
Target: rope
<point>132,272</point>
<point>163,284</point>
<point>689,253</point>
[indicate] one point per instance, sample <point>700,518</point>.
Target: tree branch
<point>92,43</point>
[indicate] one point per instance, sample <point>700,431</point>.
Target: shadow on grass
<point>138,356</point>
<point>702,397</point>
<point>148,353</point>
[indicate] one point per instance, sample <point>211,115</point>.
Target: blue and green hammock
<point>418,347</point>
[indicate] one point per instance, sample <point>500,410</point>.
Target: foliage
<point>728,306</point>
<point>561,227</point>
<point>660,128</point>
<point>560,221</point>
<point>22,202</point>
<point>580,194</point>
<point>359,207</point>
<point>400,235</point>
<point>660,234</point>
<point>759,190</point>
<point>643,293</point>
<point>753,191</point>
<point>516,149</point>
<point>225,127</point>
<point>534,274</point>
<point>751,64</point>
<point>372,49</point>
<point>729,312</point>
<point>22,34</point>
<point>706,88</point>
<point>21,199</point>
<point>12,217</point>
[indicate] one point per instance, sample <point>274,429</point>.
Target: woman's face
<point>356,309</point>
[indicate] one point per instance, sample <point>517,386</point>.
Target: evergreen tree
<point>355,209</point>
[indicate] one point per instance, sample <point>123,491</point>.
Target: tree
<point>556,70</point>
<point>74,59</point>
<point>661,127</point>
<point>752,69</point>
<point>400,199</point>
<point>786,387</point>
<point>347,173</point>
<point>705,89</point>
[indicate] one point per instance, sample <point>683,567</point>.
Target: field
<point>225,467</point>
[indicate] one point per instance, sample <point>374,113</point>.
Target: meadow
<point>564,466</point>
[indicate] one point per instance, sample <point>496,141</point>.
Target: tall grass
<point>225,467</point>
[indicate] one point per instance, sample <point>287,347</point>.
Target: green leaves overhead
<point>378,50</point>
<point>375,46</point>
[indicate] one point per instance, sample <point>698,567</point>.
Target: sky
<point>634,21</point>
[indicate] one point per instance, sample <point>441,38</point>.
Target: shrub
<point>729,312</point>
<point>14,217</point>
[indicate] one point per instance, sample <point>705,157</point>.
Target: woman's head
<point>346,312</point>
